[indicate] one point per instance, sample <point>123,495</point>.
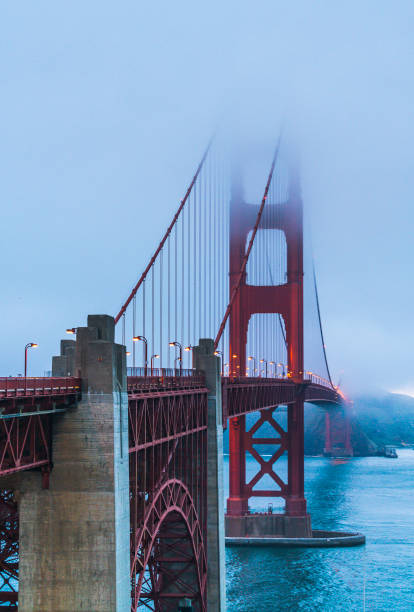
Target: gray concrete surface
<point>205,360</point>
<point>74,537</point>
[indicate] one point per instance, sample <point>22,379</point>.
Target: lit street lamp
<point>180,358</point>
<point>152,361</point>
<point>264,361</point>
<point>272,363</point>
<point>217,353</point>
<point>280,365</point>
<point>188,349</point>
<point>144,340</point>
<point>28,345</point>
<point>254,363</point>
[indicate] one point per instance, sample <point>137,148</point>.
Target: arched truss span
<point>169,557</point>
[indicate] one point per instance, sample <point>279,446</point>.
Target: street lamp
<point>72,330</point>
<point>217,353</point>
<point>188,349</point>
<point>28,345</point>
<point>145,341</point>
<point>227,365</point>
<point>180,358</point>
<point>272,363</point>
<point>254,363</point>
<point>264,361</point>
<point>152,361</point>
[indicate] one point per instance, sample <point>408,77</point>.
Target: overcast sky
<point>105,110</point>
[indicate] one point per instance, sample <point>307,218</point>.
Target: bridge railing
<point>21,386</point>
<point>144,380</point>
<point>309,377</point>
<point>318,380</point>
<point>159,372</point>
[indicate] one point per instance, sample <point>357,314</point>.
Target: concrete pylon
<point>205,361</point>
<point>64,364</point>
<point>74,537</point>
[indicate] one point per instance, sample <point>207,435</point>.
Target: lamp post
<point>71,330</point>
<point>265,362</point>
<point>175,343</point>
<point>227,365</point>
<point>272,363</point>
<point>28,345</point>
<point>152,361</point>
<point>188,349</point>
<point>145,341</point>
<point>221,359</point>
<point>254,363</point>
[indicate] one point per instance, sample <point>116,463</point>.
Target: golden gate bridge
<point>213,330</point>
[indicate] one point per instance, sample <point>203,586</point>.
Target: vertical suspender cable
<point>160,322</point>
<point>188,283</point>
<point>169,298</point>
<point>176,285</point>
<point>152,311</point>
<point>182,280</point>
<point>143,322</point>
<point>134,333</point>
<point>194,264</point>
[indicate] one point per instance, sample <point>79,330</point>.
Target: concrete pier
<point>205,360</point>
<point>74,537</point>
<point>268,525</point>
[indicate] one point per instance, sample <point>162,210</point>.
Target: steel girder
<point>247,394</point>
<point>168,483</point>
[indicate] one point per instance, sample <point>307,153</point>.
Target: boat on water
<point>390,452</point>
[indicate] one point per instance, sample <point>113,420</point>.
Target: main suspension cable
<point>320,325</point>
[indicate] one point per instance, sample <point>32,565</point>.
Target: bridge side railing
<point>145,380</point>
<point>21,386</point>
<point>309,377</point>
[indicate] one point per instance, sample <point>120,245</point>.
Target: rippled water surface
<point>374,495</point>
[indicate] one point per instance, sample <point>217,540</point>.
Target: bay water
<point>373,495</point>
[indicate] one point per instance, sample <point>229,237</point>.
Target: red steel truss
<point>168,480</point>
<point>27,406</point>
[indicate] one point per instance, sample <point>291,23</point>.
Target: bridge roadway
<point>28,405</point>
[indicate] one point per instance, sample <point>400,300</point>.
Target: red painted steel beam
<point>168,481</point>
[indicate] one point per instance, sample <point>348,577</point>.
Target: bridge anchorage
<point>112,492</point>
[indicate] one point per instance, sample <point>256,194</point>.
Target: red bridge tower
<point>286,299</point>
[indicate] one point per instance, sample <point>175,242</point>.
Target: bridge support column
<point>295,500</point>
<point>205,360</point>
<point>74,537</point>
